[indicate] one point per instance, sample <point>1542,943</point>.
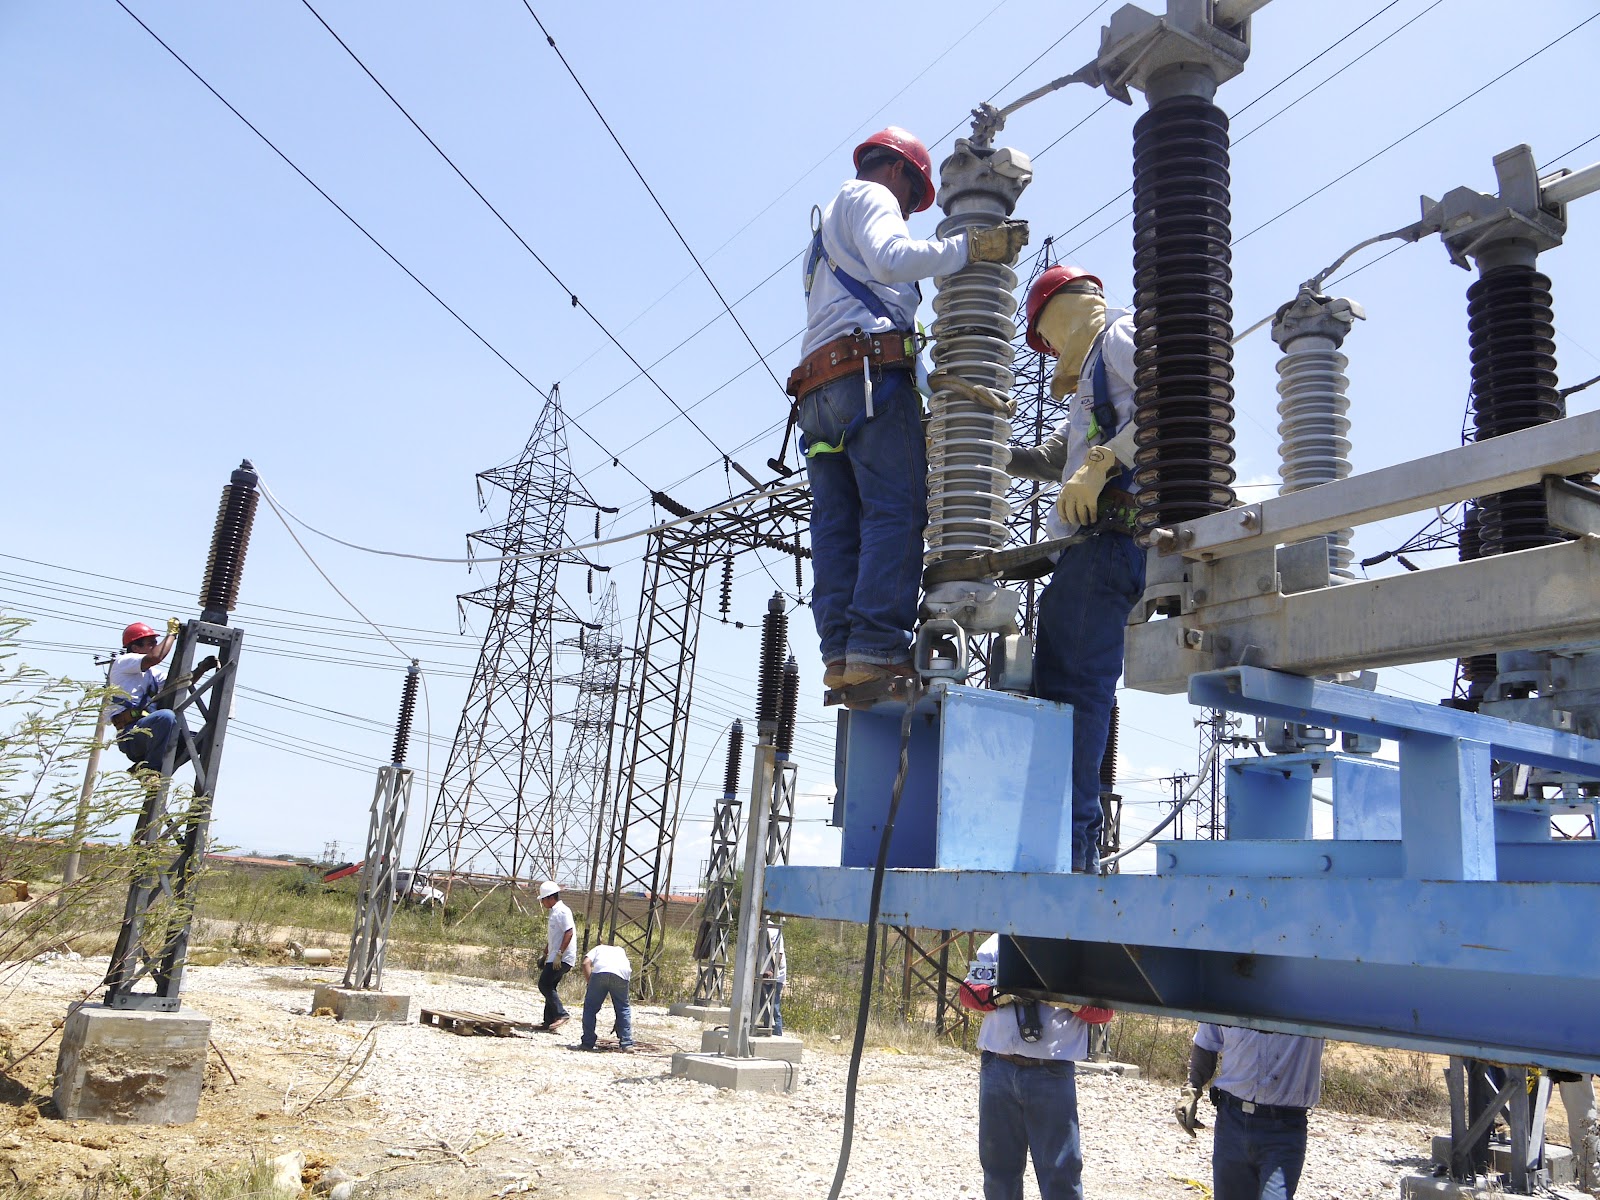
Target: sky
<point>178,297</point>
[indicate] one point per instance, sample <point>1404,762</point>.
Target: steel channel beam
<point>1567,447</point>
<point>1529,600</point>
<point>1431,965</point>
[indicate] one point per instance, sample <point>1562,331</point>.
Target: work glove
<point>173,625</point>
<point>1079,501</point>
<point>947,380</point>
<point>979,997</point>
<point>1187,1109</point>
<point>998,244</point>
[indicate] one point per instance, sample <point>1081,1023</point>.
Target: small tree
<point>47,729</point>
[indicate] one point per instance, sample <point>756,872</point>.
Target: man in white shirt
<point>559,955</point>
<point>608,971</point>
<point>857,405</point>
<point>1266,1083</point>
<point>1027,1085</point>
<point>1084,610</point>
<point>136,677</point>
<point>774,961</point>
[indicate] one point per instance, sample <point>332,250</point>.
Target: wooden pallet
<point>469,1024</point>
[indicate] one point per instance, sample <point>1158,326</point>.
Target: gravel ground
<point>528,1115</point>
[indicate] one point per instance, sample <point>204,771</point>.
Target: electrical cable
<point>864,1008</point>
<point>550,271</point>
<point>389,254</point>
<point>1172,816</point>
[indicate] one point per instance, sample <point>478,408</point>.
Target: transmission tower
<point>1216,730</point>
<point>492,815</point>
<point>577,814</point>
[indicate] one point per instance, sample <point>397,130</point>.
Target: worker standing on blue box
<point>1097,580</point>
<point>857,404</point>
<point>1266,1084</point>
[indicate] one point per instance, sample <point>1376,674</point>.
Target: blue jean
<point>601,985</point>
<point>145,741</point>
<point>1077,660</point>
<point>775,991</point>
<point>550,977</point>
<point>869,505</point>
<point>1255,1157</point>
<point>1023,1110</point>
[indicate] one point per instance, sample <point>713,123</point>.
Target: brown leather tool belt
<point>893,348</point>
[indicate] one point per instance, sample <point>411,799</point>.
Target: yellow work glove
<point>999,244</point>
<point>946,380</point>
<point>1187,1109</point>
<point>173,625</point>
<point>1079,501</point>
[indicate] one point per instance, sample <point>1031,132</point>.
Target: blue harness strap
<point>868,298</point>
<point>1104,413</point>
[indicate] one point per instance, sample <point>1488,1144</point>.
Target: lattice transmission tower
<point>493,817</point>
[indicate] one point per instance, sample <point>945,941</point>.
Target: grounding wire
<point>412,275</point>
<point>1172,816</point>
<point>550,271</point>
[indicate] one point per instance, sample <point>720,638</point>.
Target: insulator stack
<point>725,603</point>
<point>799,571</point>
<point>1108,760</point>
<point>1183,321</point>
<point>236,514</point>
<point>1315,448</point>
<point>788,705</point>
<point>774,640</point>
<point>1478,671</point>
<point>973,331</point>
<point>408,707</point>
<point>1511,332</point>
<point>730,775</point>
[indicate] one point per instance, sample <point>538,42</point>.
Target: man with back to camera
<point>559,954</point>
<point>857,405</point>
<point>606,972</point>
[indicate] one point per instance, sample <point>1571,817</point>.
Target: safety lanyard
<point>1103,423</point>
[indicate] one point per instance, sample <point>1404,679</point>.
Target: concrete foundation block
<point>737,1074</point>
<point>128,1067</point>
<point>706,1014</point>
<point>1121,1069</point>
<point>353,1004</point>
<point>786,1047</point>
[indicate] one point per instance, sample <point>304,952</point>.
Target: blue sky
<point>178,298</point>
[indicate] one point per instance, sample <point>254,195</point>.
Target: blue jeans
<point>145,741</point>
<point>774,990</point>
<point>869,505</point>
<point>601,985</point>
<point>1255,1157</point>
<point>550,977</point>
<point>1077,660</point>
<point>1023,1110</point>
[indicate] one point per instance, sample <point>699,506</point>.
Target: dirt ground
<point>434,1114</point>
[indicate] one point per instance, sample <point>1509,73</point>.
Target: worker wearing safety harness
<point>1027,1085</point>
<point>1078,649</point>
<point>857,404</point>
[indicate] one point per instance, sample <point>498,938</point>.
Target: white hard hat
<point>549,888</point>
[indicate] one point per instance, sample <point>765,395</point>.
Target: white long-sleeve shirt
<point>1062,1035</point>
<point>1117,348</point>
<point>864,233</point>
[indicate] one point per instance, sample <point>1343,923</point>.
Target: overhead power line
<point>366,233</point>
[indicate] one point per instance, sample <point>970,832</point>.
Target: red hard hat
<point>1051,281</point>
<point>134,632</point>
<point>909,147</point>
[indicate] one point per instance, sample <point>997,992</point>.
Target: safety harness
<point>1118,510</point>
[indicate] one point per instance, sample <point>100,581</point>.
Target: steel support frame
<point>717,921</point>
<point>661,692</point>
<point>153,940</point>
<point>780,825</point>
<point>376,897</point>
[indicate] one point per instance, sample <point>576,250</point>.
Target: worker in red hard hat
<point>136,678</point>
<point>1097,579</point>
<point>857,404</point>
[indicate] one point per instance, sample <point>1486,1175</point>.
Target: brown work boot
<point>833,675</point>
<point>859,673</point>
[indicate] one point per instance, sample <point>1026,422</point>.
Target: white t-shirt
<point>139,684</point>
<point>609,960</point>
<point>863,231</point>
<point>561,924</point>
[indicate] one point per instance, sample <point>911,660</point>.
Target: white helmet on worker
<point>549,888</point>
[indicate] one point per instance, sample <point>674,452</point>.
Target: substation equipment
<point>361,997</point>
<point>1440,915</point>
<point>111,1052</point>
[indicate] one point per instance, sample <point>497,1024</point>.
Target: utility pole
<point>80,823</point>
